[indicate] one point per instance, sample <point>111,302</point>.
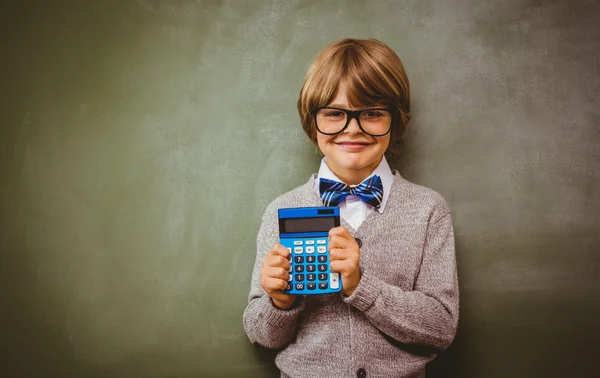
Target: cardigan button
<point>361,373</point>
<point>359,242</point>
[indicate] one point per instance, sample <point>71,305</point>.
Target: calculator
<point>304,231</point>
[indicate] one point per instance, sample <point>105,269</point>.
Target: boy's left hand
<point>344,257</point>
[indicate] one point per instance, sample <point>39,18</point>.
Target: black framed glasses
<point>372,121</point>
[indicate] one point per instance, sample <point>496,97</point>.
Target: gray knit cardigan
<point>403,312</point>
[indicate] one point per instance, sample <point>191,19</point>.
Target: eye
<point>373,114</point>
<point>331,113</point>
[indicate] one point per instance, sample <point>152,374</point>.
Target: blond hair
<point>373,75</point>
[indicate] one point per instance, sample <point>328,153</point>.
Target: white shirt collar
<point>383,171</point>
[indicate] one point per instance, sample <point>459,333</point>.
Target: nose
<point>353,127</point>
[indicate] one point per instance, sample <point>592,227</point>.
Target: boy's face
<point>352,155</point>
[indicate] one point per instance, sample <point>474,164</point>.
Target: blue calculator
<point>304,231</point>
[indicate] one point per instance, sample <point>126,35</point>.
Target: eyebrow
<point>346,107</point>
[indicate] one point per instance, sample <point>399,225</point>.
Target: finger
<point>337,254</point>
<point>271,284</point>
<point>341,231</point>
<point>337,241</point>
<point>344,254</point>
<point>277,272</point>
<point>344,267</point>
<point>280,250</point>
<point>339,266</point>
<point>278,261</point>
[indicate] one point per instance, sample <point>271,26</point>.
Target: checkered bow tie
<point>334,192</point>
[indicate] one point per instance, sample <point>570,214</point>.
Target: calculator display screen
<point>317,224</point>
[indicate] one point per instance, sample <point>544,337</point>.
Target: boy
<point>394,249</point>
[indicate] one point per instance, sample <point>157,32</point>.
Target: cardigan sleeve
<point>265,324</point>
<point>428,315</point>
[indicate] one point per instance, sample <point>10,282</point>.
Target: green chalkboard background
<point>140,142</point>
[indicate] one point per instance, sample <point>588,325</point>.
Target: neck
<point>352,178</point>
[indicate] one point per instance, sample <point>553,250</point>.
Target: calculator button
<point>310,268</point>
<point>298,242</point>
<point>322,276</point>
<point>290,277</point>
<point>289,249</point>
<point>311,259</point>
<point>298,249</point>
<point>323,285</point>
<point>334,280</point>
<point>299,277</point>
<point>321,241</point>
<point>310,242</point>
<point>321,249</point>
<point>322,268</point>
<point>299,268</point>
<point>288,287</point>
<point>322,258</point>
<point>299,286</point>
<point>310,249</point>
<point>311,277</point>
<point>312,286</point>
<point>300,259</point>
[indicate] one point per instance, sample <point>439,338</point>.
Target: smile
<point>353,146</point>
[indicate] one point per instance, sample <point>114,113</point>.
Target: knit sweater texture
<point>402,313</point>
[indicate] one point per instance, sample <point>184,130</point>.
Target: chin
<point>355,161</point>
<point>354,166</point>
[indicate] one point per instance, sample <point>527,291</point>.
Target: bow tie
<point>334,192</point>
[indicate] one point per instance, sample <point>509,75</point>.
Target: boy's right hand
<point>274,275</point>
